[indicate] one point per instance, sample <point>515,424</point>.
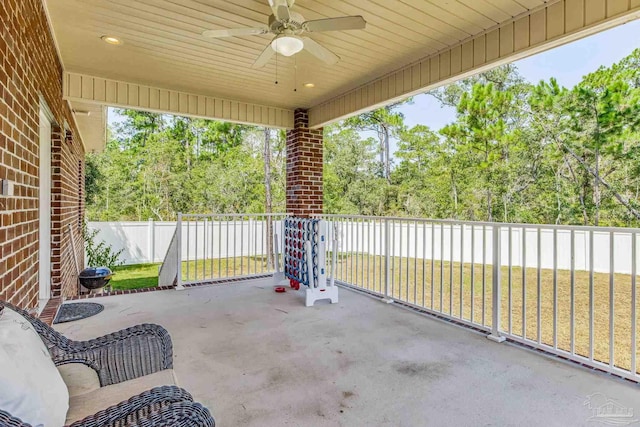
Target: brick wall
<point>30,68</point>
<point>304,167</point>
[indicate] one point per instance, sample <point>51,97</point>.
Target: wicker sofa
<point>99,373</point>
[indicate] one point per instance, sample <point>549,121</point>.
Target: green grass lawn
<point>146,275</point>
<point>135,276</point>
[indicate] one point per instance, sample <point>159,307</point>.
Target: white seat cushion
<point>79,378</point>
<point>31,387</point>
<point>84,405</point>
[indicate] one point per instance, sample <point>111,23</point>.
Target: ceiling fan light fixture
<point>287,45</point>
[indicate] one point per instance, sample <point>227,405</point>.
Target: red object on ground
<point>279,289</point>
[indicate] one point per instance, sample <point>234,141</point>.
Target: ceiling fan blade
<point>283,13</point>
<point>336,24</point>
<point>264,57</point>
<point>319,51</point>
<point>281,9</point>
<point>235,32</point>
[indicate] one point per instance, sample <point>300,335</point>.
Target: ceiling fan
<point>289,27</point>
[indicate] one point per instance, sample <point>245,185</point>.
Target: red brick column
<point>67,213</point>
<point>304,167</point>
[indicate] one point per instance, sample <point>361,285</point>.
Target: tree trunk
<point>558,200</point>
<point>580,187</point>
<point>387,161</point>
<point>187,149</point>
<point>382,150</point>
<point>454,192</point>
<point>487,180</point>
<point>632,210</point>
<point>268,205</point>
<point>505,207</point>
<point>596,189</point>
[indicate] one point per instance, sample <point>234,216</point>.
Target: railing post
<point>495,294</point>
<point>276,252</point>
<point>251,231</point>
<point>205,246</point>
<point>151,240</point>
<point>387,263</point>
<point>179,286</point>
<point>334,252</point>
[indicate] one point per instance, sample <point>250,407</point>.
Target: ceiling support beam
<point>113,93</point>
<point>554,24</point>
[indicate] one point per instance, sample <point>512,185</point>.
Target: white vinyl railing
<point>215,247</point>
<point>567,290</point>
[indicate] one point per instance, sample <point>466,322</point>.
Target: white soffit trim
<point>114,93</point>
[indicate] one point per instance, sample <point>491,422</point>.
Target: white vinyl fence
<point>148,241</point>
<point>413,239</point>
<point>141,242</point>
<point>208,238</point>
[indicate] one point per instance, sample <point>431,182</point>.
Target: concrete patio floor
<point>257,358</point>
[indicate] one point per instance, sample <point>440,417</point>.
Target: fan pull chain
<point>276,64</point>
<point>295,74</point>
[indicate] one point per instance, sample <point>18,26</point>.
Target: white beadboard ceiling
<point>163,46</point>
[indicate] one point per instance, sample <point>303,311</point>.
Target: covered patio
<point>257,358</point>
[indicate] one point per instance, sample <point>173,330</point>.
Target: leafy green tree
<point>351,182</point>
<point>156,166</point>
<point>93,178</point>
<point>515,152</point>
<point>503,78</point>
<point>386,122</point>
<point>421,174</point>
<point>594,127</point>
<point>483,132</point>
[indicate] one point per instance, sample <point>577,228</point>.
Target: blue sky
<point>566,63</point>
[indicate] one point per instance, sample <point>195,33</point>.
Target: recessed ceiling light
<point>111,40</point>
<point>309,85</point>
